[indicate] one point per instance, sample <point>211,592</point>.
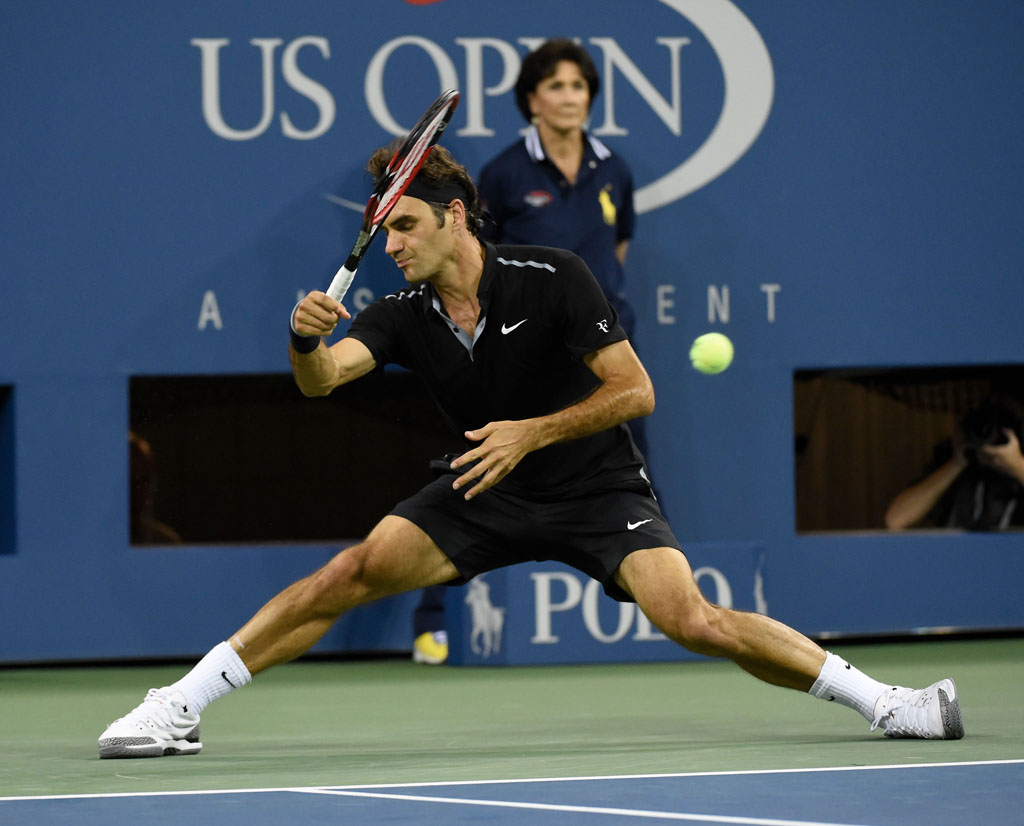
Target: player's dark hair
<point>542,63</point>
<point>439,169</point>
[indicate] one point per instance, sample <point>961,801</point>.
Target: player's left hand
<point>503,445</point>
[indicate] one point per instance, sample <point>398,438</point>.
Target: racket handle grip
<point>342,281</point>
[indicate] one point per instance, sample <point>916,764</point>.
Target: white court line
<point>592,810</point>
<point>733,773</point>
<point>499,781</point>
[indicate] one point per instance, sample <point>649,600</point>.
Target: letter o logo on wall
<point>373,84</point>
<point>592,620</point>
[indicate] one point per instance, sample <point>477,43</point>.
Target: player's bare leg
<point>397,556</point>
<point>661,582</point>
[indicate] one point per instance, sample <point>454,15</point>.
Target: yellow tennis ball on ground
<point>711,353</point>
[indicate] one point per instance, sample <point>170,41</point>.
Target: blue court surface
<point>943,794</point>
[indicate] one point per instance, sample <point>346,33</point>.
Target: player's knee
<point>343,582</point>
<point>697,628</point>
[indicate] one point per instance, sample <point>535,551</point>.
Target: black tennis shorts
<point>593,533</point>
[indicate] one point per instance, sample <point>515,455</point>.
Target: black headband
<point>442,193</point>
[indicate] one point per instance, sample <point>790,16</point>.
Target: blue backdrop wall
<point>831,184</point>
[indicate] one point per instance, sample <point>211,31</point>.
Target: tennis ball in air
<point>711,353</point>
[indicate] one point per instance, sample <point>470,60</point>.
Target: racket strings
<point>411,163</point>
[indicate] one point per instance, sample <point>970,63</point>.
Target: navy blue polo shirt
<point>541,312</point>
<point>533,203</point>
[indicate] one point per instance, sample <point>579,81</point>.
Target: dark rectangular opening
<point>7,491</point>
<point>249,459</point>
<point>863,436</point>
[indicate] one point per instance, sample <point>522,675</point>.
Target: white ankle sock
<point>845,684</point>
<point>218,673</point>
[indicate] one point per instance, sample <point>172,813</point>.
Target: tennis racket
<point>396,178</point>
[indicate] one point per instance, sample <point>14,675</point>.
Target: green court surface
<point>332,723</point>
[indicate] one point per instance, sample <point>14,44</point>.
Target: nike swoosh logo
<point>506,330</point>
<point>632,526</point>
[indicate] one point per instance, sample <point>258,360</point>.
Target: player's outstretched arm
<point>625,393</point>
<point>318,371</point>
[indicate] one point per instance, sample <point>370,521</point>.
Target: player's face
<point>420,248</point>
<point>561,102</point>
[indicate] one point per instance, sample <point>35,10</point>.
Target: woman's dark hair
<point>542,62</point>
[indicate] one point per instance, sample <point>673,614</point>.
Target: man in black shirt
<point>527,360</point>
<point>976,479</point>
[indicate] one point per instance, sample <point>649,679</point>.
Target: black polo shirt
<point>541,311</point>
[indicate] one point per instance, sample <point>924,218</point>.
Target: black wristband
<point>303,344</point>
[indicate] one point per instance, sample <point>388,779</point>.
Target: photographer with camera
<point>979,487</point>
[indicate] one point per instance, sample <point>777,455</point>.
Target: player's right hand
<point>318,315</point>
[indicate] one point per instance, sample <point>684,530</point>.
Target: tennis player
<point>528,361</point>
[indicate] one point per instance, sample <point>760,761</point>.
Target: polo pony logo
<point>488,621</point>
<point>608,210</point>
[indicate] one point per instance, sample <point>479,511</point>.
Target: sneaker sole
<point>118,747</point>
<point>952,720</point>
<point>425,659</point>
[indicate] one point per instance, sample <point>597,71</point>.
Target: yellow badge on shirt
<point>607,207</point>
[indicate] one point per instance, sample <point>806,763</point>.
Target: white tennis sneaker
<point>931,713</point>
<point>162,724</point>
